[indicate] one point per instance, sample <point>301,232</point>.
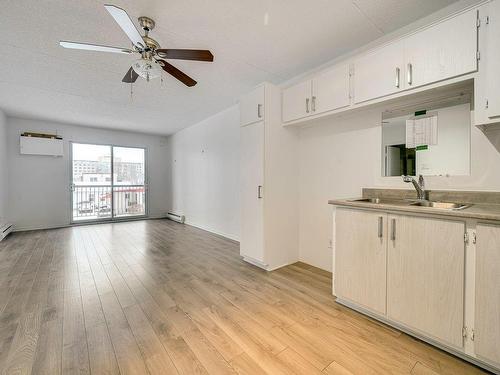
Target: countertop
<point>476,211</point>
<point>398,201</point>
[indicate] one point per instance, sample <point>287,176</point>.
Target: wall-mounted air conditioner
<point>41,144</point>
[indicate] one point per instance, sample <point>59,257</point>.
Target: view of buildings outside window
<point>95,191</point>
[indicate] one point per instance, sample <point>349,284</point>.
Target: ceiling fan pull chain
<point>131,92</point>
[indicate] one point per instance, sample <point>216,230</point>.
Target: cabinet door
<point>379,73</point>
<point>443,51</point>
<point>331,90</point>
<point>252,181</point>
<point>297,101</point>
<point>487,312</point>
<point>360,258</point>
<point>425,276</point>
<point>252,106</point>
<point>493,59</point>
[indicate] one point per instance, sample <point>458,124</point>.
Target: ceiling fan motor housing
<point>146,23</point>
<point>151,43</point>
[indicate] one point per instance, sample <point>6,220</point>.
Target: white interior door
<point>392,161</point>
<point>252,191</point>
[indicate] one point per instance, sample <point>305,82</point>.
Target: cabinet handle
<point>380,226</point>
<point>313,104</point>
<point>259,192</point>
<point>409,73</point>
<point>393,229</point>
<point>307,105</point>
<point>397,77</point>
<point>259,110</point>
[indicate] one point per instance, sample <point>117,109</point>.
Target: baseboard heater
<point>174,217</point>
<point>5,229</point>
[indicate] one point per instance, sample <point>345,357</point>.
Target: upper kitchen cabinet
<point>486,87</point>
<point>436,55</point>
<point>326,92</point>
<point>445,50</point>
<point>297,101</point>
<point>492,30</point>
<point>252,106</point>
<point>442,51</point>
<point>379,72</point>
<point>330,89</point>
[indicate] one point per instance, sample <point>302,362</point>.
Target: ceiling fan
<point>151,63</point>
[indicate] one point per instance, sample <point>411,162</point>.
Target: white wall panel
<point>205,173</point>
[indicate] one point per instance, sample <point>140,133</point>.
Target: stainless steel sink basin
<point>441,205</point>
<point>430,204</point>
<point>382,201</point>
<point>368,200</point>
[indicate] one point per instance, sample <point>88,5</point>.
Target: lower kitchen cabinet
<point>435,277</point>
<point>487,304</point>
<point>360,261</point>
<point>425,276</point>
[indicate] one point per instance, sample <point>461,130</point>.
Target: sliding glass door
<point>129,194</point>
<point>107,182</point>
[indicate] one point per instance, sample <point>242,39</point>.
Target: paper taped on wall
<point>422,131</point>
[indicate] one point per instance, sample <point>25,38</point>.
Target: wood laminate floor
<point>157,297</point>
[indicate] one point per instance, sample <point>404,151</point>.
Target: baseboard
<point>67,225</point>
<point>211,230</point>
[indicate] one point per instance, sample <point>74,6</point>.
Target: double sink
<point>419,203</point>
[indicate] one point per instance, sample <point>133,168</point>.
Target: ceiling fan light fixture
<point>147,69</point>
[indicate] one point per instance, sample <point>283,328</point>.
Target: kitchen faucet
<point>419,186</point>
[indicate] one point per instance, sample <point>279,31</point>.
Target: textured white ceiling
<point>42,80</point>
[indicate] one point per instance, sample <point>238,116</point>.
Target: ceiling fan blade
<point>130,76</point>
<point>123,20</point>
<point>172,70</point>
<point>93,47</point>
<point>186,54</point>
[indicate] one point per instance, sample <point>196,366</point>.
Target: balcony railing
<point>93,202</point>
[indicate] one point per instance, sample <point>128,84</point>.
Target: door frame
<point>112,218</point>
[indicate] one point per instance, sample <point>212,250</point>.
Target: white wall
<point>338,157</point>
<point>3,167</point>
<point>38,186</point>
<point>205,173</point>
